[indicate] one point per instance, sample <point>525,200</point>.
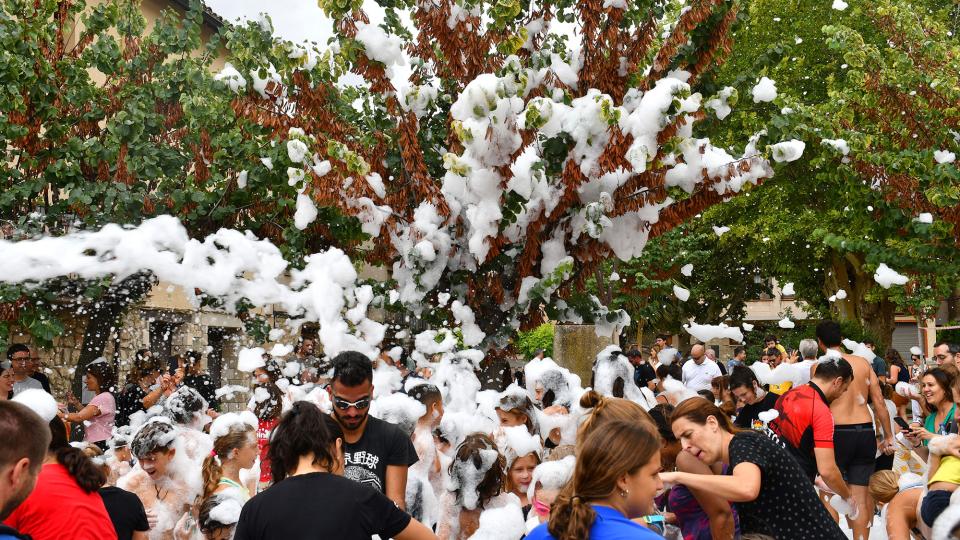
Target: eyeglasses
<point>343,404</point>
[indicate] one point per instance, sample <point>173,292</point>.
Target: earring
<point>624,493</point>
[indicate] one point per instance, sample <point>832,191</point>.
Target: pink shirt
<point>99,427</point>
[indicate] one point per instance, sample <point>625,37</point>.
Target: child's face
<point>122,453</point>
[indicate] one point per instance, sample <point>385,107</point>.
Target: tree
<point>509,169</point>
<point>687,260</point>
<point>516,162</point>
<point>114,125</point>
<point>825,225</point>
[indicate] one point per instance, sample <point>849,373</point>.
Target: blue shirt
<point>609,524</point>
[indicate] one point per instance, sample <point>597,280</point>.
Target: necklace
<point>158,489</point>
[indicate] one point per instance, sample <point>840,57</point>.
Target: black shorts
<point>933,504</point>
<point>855,449</point>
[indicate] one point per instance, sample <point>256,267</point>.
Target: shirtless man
<point>854,439</point>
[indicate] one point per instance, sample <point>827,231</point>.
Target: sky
<point>295,20</point>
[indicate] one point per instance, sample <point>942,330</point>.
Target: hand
<point>670,479</point>
<point>794,357</point>
<point>888,447</point>
<point>184,528</point>
<point>151,518</point>
<point>920,433</point>
<point>854,508</point>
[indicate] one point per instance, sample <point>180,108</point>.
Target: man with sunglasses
<point>946,353</point>
<point>377,453</point>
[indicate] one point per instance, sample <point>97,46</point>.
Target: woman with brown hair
<point>615,480</point>
<point>311,498</point>
<point>267,404</point>
<point>610,409</point>
<point>720,386</point>
<point>99,414</point>
<point>234,450</point>
<point>477,477</point>
<point>773,495</point>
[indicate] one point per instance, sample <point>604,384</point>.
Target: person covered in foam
<point>165,480</point>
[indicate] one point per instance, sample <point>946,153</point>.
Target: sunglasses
<point>343,404</point>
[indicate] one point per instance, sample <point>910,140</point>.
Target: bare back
<point>851,406</point>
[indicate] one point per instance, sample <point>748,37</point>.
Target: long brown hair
<point>698,409</point>
<point>609,409</point>
<point>470,456</point>
<point>614,449</point>
<point>236,438</point>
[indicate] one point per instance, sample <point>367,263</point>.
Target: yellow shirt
<point>948,471</point>
<point>780,389</point>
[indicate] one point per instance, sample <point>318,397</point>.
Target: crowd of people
<point>814,442</point>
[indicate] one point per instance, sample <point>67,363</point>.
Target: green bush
<point>540,337</point>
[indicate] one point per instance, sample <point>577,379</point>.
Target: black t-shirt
<point>319,505</point>
<point>125,510</point>
<point>129,401</point>
<point>381,444</point>
<point>787,505</point>
<point>643,374</point>
<point>750,413</point>
<point>205,386</point>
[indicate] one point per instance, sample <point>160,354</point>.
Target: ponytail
<point>614,449</point>
<point>570,516</point>
<point>88,475</point>
<point>212,471</point>
<point>236,437</point>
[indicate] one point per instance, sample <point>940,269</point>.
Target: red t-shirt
<point>805,422</point>
<point>263,443</point>
<point>58,509</point>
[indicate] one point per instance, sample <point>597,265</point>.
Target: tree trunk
<point>104,319</point>
<point>876,317</point>
<point>953,306</point>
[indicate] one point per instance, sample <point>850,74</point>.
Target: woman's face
<point>703,441</point>
<point>6,383</point>
<point>150,379</point>
<point>247,454</point>
<point>92,383</point>
<point>642,486</point>
<point>745,395</point>
<point>521,474</point>
<point>511,418</point>
<point>932,391</point>
<point>260,376</point>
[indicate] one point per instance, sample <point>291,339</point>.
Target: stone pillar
<point>575,347</point>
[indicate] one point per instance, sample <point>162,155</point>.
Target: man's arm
<point>396,487</point>
<point>828,470</point>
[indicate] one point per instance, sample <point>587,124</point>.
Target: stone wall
<point>575,347</point>
<point>191,331</point>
